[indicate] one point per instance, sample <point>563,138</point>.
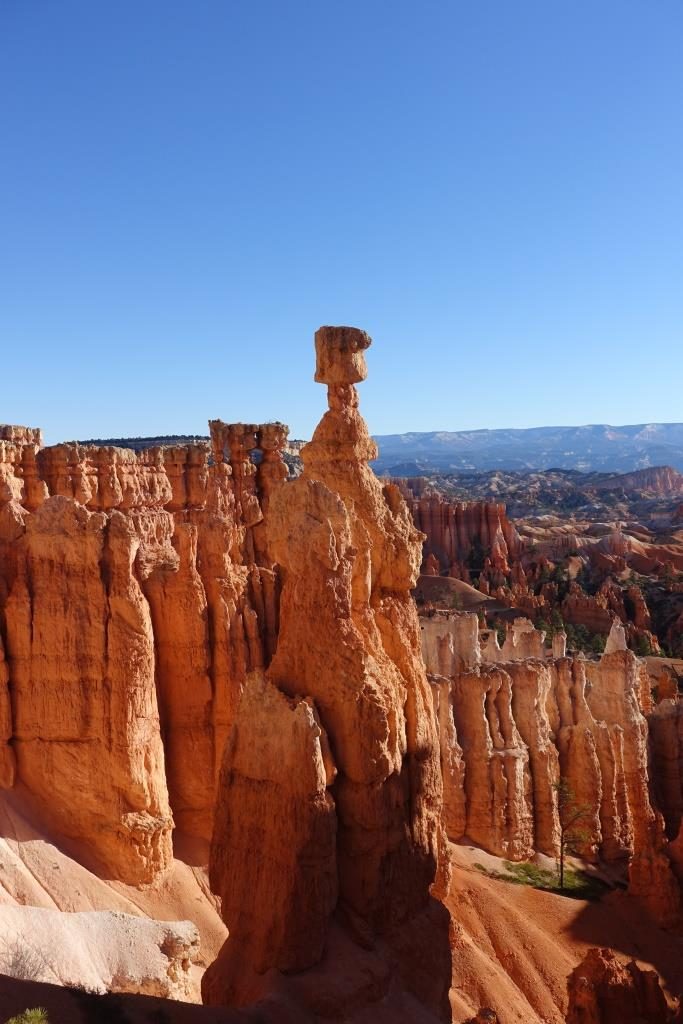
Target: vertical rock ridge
<point>130,616</point>
<point>518,727</point>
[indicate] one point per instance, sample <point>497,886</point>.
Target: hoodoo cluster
<point>191,641</point>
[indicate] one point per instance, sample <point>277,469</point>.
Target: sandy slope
<point>515,946</point>
<point>34,872</point>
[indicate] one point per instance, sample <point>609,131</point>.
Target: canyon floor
<point>514,945</point>
<point>517,945</point>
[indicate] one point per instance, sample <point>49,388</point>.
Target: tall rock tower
<point>328,850</point>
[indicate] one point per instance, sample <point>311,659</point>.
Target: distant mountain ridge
<point>595,447</point>
<point>139,444</point>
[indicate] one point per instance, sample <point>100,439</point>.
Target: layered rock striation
<point>461,534</point>
<point>514,734</point>
<point>133,603</point>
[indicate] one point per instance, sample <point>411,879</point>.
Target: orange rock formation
<point>131,609</point>
<point>332,767</point>
<point>477,541</point>
<point>510,731</point>
<point>167,610</point>
<point>455,528</point>
<point>602,990</point>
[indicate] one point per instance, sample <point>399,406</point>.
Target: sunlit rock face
<point>339,743</point>
<point>190,641</point>
<point>512,730</point>
<point>134,600</point>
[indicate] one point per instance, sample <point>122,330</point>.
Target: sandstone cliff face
<point>273,861</point>
<point>459,534</point>
<point>613,698</point>
<point>82,673</point>
<point>497,779</point>
<point>666,737</point>
<point>338,742</point>
<point>511,731</point>
<point>131,611</point>
<point>7,755</point>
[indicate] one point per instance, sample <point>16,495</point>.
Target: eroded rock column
<point>349,698</point>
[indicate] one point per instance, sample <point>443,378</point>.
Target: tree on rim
<point>571,817</point>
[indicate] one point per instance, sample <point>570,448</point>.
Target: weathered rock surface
<point>82,675</point>
<point>7,755</point>
<point>665,724</point>
<point>521,642</point>
<point>450,642</point>
<point>100,951</point>
<point>166,610</point>
<point>131,610</point>
<point>624,762</point>
<point>461,534</point>
<point>603,990</point>
<point>274,860</point>
<point>497,779</point>
<point>550,564</point>
<point>332,769</point>
<point>511,730</point>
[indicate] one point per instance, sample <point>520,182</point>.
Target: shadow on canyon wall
<point>618,922</point>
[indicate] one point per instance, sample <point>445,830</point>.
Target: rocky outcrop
<point>603,990</point>
<point>100,951</point>
<point>666,740</point>
<point>546,566</point>
<point>513,730</point>
<point>613,699</point>
<point>616,639</point>
<point>661,480</point>
<point>496,780</point>
<point>461,534</point>
<point>21,435</point>
<point>451,758</point>
<point>522,641</point>
<point>332,768</point>
<point>596,613</point>
<point>277,903</point>
<point>135,596</point>
<point>450,642</point>
<point>166,610</point>
<point>85,717</point>
<point>7,755</point>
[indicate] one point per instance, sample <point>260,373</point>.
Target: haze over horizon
<point>494,194</point>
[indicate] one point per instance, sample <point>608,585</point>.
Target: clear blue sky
<point>494,190</point>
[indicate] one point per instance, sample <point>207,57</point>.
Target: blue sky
<point>493,190</point>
